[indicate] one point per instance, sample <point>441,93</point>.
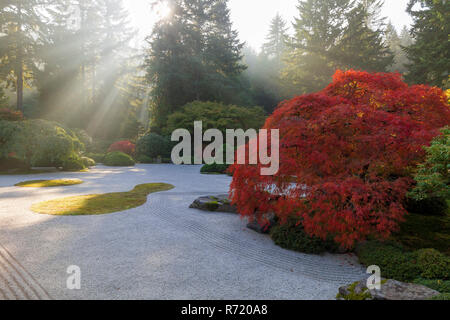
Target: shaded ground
<point>161,250</point>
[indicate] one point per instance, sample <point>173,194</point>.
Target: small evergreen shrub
<point>118,159</point>
<point>433,178</point>
<point>123,146</point>
<point>145,159</point>
<point>153,145</point>
<point>97,157</point>
<point>38,143</point>
<point>433,264</point>
<point>292,236</point>
<point>390,257</point>
<point>88,162</point>
<point>398,264</point>
<point>215,168</point>
<point>73,163</point>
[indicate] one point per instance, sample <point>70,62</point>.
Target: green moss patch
<point>97,204</point>
<point>49,183</point>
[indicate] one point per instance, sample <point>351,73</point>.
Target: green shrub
<point>443,286</point>
<point>215,168</point>
<point>97,157</point>
<point>292,236</point>
<point>433,264</point>
<point>38,143</point>
<point>88,162</point>
<point>216,116</point>
<point>394,262</point>
<point>118,159</point>
<point>145,159</point>
<point>433,178</point>
<point>73,163</point>
<point>153,145</point>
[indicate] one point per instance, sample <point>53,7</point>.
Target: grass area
<point>420,231</point>
<point>97,204</point>
<point>49,183</point>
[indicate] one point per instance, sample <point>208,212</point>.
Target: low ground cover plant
<point>98,204</point>
<point>49,183</point>
<point>118,159</point>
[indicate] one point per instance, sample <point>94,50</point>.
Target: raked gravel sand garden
<point>161,250</point>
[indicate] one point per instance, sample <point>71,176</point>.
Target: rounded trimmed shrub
<point>88,162</point>
<point>394,262</point>
<point>433,264</point>
<point>153,145</point>
<point>73,163</point>
<point>97,157</point>
<point>118,159</point>
<point>215,168</point>
<point>145,159</point>
<point>123,146</point>
<point>38,143</point>
<point>292,236</point>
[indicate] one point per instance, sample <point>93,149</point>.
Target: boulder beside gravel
<point>390,290</point>
<point>263,225</point>
<point>219,203</point>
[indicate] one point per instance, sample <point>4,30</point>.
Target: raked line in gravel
<point>161,250</point>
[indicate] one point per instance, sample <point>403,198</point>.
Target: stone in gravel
<point>220,203</point>
<point>392,290</point>
<point>263,225</point>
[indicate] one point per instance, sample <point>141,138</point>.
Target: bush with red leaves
<point>10,115</point>
<point>347,156</point>
<point>123,146</point>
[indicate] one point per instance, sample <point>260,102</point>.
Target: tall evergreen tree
<point>363,44</point>
<point>276,40</point>
<point>194,54</point>
<point>429,54</point>
<point>396,44</point>
<point>23,25</point>
<point>335,34</point>
<point>320,24</point>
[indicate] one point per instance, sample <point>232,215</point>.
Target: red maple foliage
<point>347,156</point>
<point>123,146</point>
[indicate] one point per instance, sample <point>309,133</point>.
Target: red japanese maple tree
<point>123,146</point>
<point>347,155</point>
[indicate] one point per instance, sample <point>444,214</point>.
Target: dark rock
<point>220,203</point>
<point>390,290</point>
<point>263,225</point>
